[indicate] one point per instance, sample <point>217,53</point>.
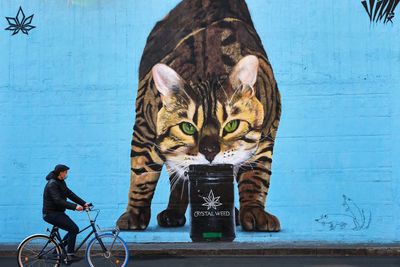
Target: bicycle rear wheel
<point>116,253</point>
<point>38,250</point>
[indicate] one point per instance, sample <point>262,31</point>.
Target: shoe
<point>72,257</point>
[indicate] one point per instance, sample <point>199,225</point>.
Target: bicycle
<point>106,249</point>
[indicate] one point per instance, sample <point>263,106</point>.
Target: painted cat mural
<point>207,95</point>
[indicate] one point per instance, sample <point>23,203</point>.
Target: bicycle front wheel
<point>38,250</point>
<point>107,250</point>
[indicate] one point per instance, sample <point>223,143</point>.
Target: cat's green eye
<point>231,126</point>
<point>188,128</point>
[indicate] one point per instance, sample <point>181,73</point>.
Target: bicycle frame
<point>55,235</point>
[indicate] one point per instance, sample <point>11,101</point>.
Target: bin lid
<point>205,171</point>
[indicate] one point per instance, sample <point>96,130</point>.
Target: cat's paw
<point>257,219</point>
<point>132,220</point>
<point>170,218</point>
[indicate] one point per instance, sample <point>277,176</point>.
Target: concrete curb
<point>249,249</point>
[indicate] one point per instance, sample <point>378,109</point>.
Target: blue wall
<point>67,95</point>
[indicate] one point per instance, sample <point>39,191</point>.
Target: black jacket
<point>55,196</point>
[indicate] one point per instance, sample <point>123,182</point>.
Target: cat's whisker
<point>267,137</point>
<point>254,162</point>
<point>226,94</point>
<point>183,188</point>
<point>174,181</point>
<point>159,147</point>
<point>167,149</point>
<point>178,179</point>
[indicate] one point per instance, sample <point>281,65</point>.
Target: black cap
<point>60,168</point>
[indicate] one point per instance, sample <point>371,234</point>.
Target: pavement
<point>249,249</point>
<point>240,261</point>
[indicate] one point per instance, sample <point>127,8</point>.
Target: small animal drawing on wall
<point>207,95</point>
<point>353,218</point>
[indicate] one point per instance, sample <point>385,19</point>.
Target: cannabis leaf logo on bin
<point>20,23</point>
<point>211,202</point>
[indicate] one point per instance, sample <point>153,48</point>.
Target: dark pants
<point>64,222</point>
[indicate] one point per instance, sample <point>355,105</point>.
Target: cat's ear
<point>166,81</point>
<point>244,74</point>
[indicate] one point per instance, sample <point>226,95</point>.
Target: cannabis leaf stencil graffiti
<point>20,23</point>
<point>380,10</point>
<point>354,217</point>
<point>211,202</point>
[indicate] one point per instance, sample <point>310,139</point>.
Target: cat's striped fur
<point>203,41</point>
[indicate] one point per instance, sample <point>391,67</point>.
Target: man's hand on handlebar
<point>87,206</point>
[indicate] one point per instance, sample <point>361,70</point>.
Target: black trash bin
<point>211,199</point>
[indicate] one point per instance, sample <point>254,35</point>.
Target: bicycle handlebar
<point>89,208</point>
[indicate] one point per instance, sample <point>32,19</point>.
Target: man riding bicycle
<point>55,203</point>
